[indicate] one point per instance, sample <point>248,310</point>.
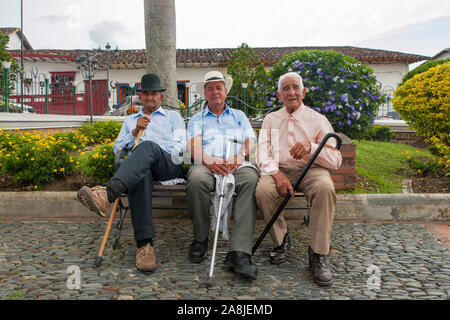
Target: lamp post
<point>44,84</point>
<point>132,85</point>
<point>108,64</point>
<point>88,66</point>
<point>244,86</point>
<point>6,65</point>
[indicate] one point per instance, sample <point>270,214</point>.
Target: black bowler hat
<point>151,82</point>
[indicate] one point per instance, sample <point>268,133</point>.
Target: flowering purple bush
<point>338,86</point>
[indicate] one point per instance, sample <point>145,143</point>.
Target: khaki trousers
<point>319,192</point>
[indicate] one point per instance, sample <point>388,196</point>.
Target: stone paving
<point>42,260</point>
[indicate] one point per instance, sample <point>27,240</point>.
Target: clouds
<point>107,31</point>
<point>298,23</point>
<point>54,18</point>
<point>427,38</point>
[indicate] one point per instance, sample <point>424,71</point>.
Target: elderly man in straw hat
<point>208,133</point>
<point>156,158</point>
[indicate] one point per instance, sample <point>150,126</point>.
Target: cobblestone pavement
<point>41,260</point>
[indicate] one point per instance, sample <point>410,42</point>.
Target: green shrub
<point>75,138</point>
<point>98,163</point>
<point>379,133</point>
<point>424,103</point>
<point>34,160</point>
<point>423,166</point>
<point>245,66</point>
<point>101,132</point>
<point>339,87</point>
<point>422,68</point>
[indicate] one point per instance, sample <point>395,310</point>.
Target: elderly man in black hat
<point>157,157</point>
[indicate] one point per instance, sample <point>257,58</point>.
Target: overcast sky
<point>411,26</point>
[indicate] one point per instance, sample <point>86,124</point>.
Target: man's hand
<point>216,165</point>
<point>234,163</point>
<point>300,149</point>
<point>142,123</point>
<point>283,184</point>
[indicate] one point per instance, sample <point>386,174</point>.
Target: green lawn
<point>384,165</point>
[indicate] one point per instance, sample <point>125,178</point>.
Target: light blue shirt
<point>216,130</point>
<point>166,128</point>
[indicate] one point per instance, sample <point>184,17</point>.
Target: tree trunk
<point>160,40</point>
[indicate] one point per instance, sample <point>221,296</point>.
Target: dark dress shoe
<point>322,275</point>
<point>198,250</point>
<point>240,262</point>
<point>280,254</point>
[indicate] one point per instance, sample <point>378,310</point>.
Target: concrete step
<point>364,207</point>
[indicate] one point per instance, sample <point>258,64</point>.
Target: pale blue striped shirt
<point>166,128</point>
<point>216,130</point>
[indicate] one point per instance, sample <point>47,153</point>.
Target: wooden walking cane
<point>295,186</point>
<point>99,258</point>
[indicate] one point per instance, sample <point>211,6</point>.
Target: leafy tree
<point>245,66</point>
<point>5,56</point>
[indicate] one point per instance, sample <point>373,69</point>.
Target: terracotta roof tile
<point>220,56</point>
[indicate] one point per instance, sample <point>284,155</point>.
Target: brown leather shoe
<point>322,275</point>
<point>145,258</point>
<point>280,254</point>
<point>96,199</point>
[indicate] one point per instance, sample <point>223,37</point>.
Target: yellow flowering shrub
<point>99,163</point>
<point>424,103</point>
<point>33,159</point>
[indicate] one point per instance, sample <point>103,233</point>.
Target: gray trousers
<point>147,163</point>
<point>200,184</point>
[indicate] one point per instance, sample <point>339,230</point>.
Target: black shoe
<point>241,263</point>
<point>322,275</point>
<point>198,250</point>
<point>280,254</point>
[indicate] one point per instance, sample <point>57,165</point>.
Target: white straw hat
<point>213,76</point>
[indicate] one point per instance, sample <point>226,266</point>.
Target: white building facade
<point>69,88</point>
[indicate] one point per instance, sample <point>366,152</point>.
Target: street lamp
<point>244,86</point>
<point>116,53</point>
<point>88,66</point>
<point>132,85</point>
<point>43,84</point>
<point>6,65</point>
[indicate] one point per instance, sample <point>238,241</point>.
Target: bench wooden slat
<point>182,188</point>
<point>177,187</point>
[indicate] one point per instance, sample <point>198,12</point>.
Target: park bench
<point>163,196</point>
<point>166,192</point>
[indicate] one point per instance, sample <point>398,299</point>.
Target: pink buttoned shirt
<point>280,131</point>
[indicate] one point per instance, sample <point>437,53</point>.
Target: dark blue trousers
<point>147,163</point>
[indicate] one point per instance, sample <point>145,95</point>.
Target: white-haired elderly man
<point>287,140</point>
<point>208,133</point>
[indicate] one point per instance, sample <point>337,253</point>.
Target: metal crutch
<point>213,257</point>
<point>295,186</point>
